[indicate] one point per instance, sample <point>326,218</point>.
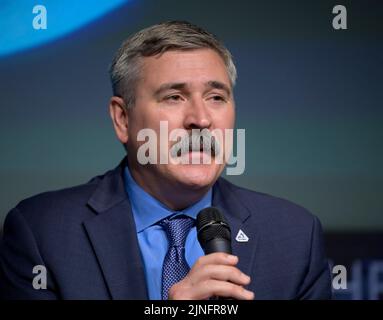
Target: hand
<point>213,275</point>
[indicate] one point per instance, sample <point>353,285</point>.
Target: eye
<point>218,98</point>
<point>173,98</point>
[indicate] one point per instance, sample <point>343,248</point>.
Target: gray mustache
<point>201,141</point>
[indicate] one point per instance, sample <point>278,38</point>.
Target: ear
<point>119,115</point>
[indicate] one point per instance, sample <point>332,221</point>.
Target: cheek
<point>225,124</point>
<point>225,119</point>
<point>141,118</point>
<point>174,116</point>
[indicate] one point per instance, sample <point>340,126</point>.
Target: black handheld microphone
<point>213,231</point>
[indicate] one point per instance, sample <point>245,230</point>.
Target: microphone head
<point>213,231</point>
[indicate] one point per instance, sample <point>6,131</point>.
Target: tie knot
<point>177,229</point>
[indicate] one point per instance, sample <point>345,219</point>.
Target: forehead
<point>188,66</point>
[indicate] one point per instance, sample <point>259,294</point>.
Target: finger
<point>219,272</point>
<point>217,258</point>
<point>211,288</point>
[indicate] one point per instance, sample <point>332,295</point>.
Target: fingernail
<point>250,295</point>
<point>246,278</point>
<point>232,258</point>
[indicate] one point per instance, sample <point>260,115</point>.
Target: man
<point>130,233</point>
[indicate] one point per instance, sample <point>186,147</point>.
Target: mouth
<point>194,149</point>
<point>192,146</point>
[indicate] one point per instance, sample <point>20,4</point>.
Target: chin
<point>197,175</point>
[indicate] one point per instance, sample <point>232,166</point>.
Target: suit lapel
<point>113,236</point>
<point>238,216</point>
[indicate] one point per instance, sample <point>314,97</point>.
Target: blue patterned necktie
<point>175,267</point>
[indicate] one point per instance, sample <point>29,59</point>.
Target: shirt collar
<point>147,210</point>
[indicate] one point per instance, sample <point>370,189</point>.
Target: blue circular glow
<point>65,16</point>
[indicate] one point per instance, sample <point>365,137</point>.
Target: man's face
<point>190,90</point>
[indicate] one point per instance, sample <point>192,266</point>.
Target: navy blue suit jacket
<point>85,237</point>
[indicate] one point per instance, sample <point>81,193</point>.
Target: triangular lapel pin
<point>241,236</point>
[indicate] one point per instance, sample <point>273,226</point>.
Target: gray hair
<point>172,35</point>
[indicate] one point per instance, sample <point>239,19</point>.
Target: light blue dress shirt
<point>152,239</point>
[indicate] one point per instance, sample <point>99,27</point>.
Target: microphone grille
<point>211,223</point>
<point>209,215</point>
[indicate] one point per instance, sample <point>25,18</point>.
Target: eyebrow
<point>170,86</point>
<point>219,85</point>
<point>182,85</point>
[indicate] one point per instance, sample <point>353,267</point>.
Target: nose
<point>197,115</point>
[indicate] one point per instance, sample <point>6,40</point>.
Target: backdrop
<point>309,97</point>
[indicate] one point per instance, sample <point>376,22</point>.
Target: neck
<point>175,196</point>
